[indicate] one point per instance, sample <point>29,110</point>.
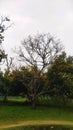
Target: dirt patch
<point>37,122</point>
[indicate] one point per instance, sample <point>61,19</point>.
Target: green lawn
<point>14,113</point>
<point>14,99</point>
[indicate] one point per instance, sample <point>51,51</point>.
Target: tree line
<point>46,70</point>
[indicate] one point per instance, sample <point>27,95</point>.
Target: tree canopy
<point>39,51</point>
<point>60,76</point>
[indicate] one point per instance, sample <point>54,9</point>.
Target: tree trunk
<point>5,98</point>
<point>33,101</point>
<point>64,100</point>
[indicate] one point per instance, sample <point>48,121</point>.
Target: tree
<point>1,83</point>
<point>38,52</point>
<point>3,86</point>
<point>2,29</point>
<point>8,68</point>
<point>60,76</point>
<point>18,78</point>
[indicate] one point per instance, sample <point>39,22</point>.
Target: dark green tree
<point>19,81</point>
<point>60,76</point>
<point>8,68</point>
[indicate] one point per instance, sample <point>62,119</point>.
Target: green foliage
<point>60,76</point>
<point>1,82</point>
<point>17,78</point>
<point>24,82</point>
<point>4,86</point>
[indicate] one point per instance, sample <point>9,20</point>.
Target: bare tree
<point>38,52</point>
<point>9,64</point>
<point>3,26</point>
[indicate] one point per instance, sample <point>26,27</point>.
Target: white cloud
<point>21,19</point>
<point>30,16</point>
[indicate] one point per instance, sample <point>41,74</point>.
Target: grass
<point>14,113</point>
<point>14,99</point>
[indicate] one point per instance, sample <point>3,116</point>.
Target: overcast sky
<point>32,16</point>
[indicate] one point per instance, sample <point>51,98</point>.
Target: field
<point>16,112</point>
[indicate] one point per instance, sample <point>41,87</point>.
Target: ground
<point>37,122</point>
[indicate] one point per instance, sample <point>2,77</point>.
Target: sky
<point>43,16</point>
